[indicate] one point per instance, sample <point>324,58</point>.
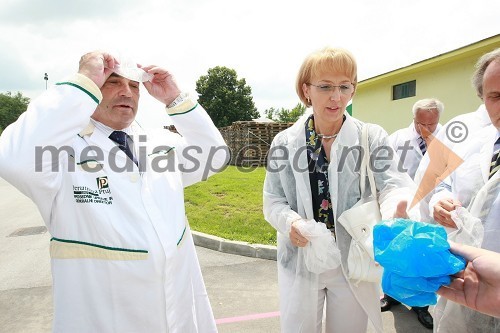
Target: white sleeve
<point>277,210</point>
<point>392,184</point>
<point>393,138</point>
<point>51,122</point>
<point>442,191</point>
<point>202,151</point>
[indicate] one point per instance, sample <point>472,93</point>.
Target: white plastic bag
<point>321,252</point>
<point>469,230</point>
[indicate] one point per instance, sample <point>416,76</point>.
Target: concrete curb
<point>234,247</point>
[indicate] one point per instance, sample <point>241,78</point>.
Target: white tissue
<point>321,252</point>
<point>128,69</point>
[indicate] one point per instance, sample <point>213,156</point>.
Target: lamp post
<point>46,78</point>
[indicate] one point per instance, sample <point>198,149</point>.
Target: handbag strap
<point>365,164</point>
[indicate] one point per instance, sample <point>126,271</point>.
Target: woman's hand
<point>296,237</point>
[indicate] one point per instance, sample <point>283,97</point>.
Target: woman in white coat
<point>312,174</point>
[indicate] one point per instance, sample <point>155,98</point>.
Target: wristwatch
<point>178,100</point>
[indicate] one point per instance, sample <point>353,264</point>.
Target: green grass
<point>229,205</point>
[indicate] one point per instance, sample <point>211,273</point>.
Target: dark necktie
<point>422,145</point>
<point>495,160</point>
<point>124,142</point>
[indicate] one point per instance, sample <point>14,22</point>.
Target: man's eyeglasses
<point>345,88</point>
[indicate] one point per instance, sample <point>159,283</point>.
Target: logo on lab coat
<point>102,182</point>
<point>102,195</point>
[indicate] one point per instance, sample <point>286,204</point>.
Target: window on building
<point>404,90</point>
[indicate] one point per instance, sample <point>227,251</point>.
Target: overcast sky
<point>265,41</point>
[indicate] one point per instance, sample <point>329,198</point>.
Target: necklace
<point>327,137</point>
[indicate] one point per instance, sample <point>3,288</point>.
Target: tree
<point>285,115</point>
<point>294,114</point>
<point>11,108</point>
<point>226,98</point>
<point>271,113</point>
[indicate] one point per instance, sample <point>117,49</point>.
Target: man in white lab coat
<point>411,145</point>
<point>459,130</point>
<point>475,185</point>
<point>111,195</point>
<point>411,142</point>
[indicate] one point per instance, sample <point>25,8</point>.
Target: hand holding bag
<point>359,221</point>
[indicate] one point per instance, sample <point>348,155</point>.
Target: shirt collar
<point>108,130</point>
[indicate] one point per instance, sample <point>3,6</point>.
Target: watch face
<point>178,100</point>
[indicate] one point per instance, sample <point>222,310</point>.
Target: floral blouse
<point>318,176</point>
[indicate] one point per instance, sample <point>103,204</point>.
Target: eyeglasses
<point>345,88</point>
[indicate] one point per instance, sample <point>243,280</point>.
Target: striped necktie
<point>495,160</point>
<point>124,142</point>
<point>422,145</point>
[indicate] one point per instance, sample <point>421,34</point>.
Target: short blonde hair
<point>326,60</point>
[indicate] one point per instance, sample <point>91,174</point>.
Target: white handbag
<point>359,221</point>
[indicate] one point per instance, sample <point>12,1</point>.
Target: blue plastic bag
<point>416,260</point>
<point>413,291</point>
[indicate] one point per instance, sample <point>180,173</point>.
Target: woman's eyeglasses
<point>344,88</point>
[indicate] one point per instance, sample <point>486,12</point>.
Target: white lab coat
<point>287,197</point>
<point>414,155</point>
<point>458,131</point>
<point>123,258</point>
<point>464,185</point>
